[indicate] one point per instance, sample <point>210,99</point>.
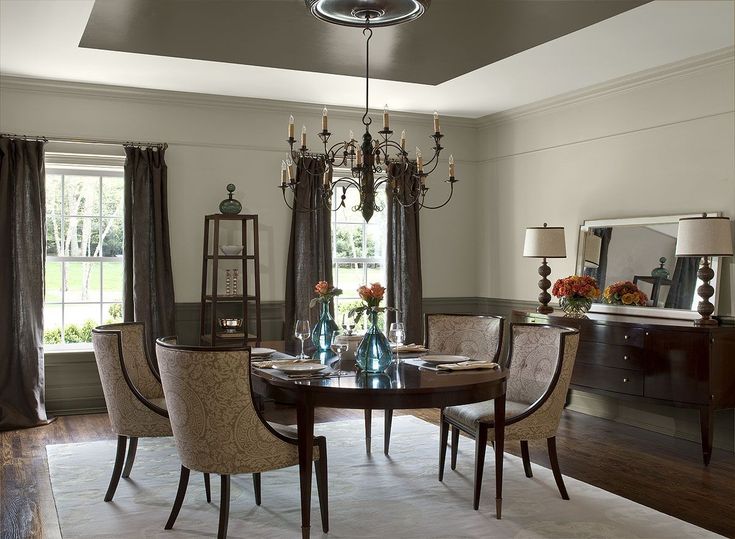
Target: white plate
<point>262,352</point>
<point>300,368</point>
<point>444,358</point>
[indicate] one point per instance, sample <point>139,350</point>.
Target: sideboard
<point>659,360</point>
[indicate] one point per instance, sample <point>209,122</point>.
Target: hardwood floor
<point>652,469</point>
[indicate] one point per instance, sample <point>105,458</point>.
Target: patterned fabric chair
<point>217,426</point>
<point>475,336</point>
<point>133,393</point>
<point>541,362</point>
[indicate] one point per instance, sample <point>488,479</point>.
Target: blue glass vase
<point>373,353</point>
<point>321,335</point>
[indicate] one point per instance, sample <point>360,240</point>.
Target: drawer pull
<point>625,358</point>
<point>647,333</point>
<point>626,337</point>
<point>626,380</point>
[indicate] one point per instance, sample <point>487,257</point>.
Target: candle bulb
<point>352,135</point>
<point>403,140</point>
<point>284,173</point>
<point>419,160</point>
<point>386,119</point>
<point>289,166</point>
<point>436,122</point>
<point>359,157</point>
<point>451,166</point>
<point>324,119</point>
<point>327,177</point>
<point>291,127</point>
<point>303,136</point>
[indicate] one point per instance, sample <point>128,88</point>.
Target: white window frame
<point>104,166</point>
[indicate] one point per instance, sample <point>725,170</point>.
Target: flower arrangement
<point>625,293</point>
<point>371,296</point>
<point>576,293</point>
<point>325,293</point>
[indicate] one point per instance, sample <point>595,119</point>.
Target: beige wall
<point>213,141</point>
<point>662,146</point>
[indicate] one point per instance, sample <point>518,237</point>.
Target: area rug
<point>369,495</point>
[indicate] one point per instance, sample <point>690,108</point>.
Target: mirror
<point>641,250</point>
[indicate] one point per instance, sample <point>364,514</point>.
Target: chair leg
<point>224,507</point>
<point>256,487</point>
<point>180,493</point>
<point>526,458</point>
<point>207,488</point>
<point>455,446</point>
<point>480,446</point>
<point>368,429</point>
<point>322,483</point>
<point>132,448</point>
<point>551,443</point>
<point>117,469</point>
<point>388,424</point>
<point>443,436</point>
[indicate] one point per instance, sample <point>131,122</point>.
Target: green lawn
<point>112,286</point>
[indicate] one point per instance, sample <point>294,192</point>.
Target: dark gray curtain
<point>404,260</point>
<point>600,272</point>
<point>148,285</point>
<point>22,257</point>
<point>683,283</point>
<point>309,250</point>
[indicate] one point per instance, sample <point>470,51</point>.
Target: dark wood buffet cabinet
<point>654,359</point>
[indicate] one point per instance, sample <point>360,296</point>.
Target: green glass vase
<point>321,335</point>
<point>373,353</point>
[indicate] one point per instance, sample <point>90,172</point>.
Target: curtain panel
<point>148,288</point>
<point>22,260</point>
<point>403,268</point>
<point>309,250</point>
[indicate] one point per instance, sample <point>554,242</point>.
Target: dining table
<point>404,385</point>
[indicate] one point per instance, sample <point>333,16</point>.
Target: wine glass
<point>348,323</point>
<point>397,335</point>
<point>302,331</point>
<point>340,345</point>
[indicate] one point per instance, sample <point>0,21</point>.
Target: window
<point>358,250</point>
<point>84,247</point>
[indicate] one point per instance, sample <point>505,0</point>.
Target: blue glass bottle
<point>373,352</point>
<point>321,335</point>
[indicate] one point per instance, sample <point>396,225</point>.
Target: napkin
<point>269,364</point>
<point>467,366</point>
<point>410,348</point>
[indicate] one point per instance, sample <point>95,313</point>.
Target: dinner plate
<point>300,368</point>
<point>444,358</point>
<point>261,352</point>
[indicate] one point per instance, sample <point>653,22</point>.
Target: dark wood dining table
<point>403,386</point>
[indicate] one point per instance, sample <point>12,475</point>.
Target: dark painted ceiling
<point>454,37</point>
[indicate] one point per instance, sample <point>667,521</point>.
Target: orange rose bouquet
<point>576,293</point>
<point>371,296</point>
<point>625,293</point>
<point>324,293</point>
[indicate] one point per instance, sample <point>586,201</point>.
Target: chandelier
<point>374,163</point>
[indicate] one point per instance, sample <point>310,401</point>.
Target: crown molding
<point>189,99</point>
<point>611,87</point>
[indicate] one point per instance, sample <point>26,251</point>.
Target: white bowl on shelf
<point>231,250</point>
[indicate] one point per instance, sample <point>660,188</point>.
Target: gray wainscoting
<point>73,386</point>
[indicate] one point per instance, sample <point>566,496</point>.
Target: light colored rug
<point>369,496</point>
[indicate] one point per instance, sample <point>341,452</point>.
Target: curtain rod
<point>72,140</point>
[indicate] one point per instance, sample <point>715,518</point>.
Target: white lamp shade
<point>545,242</point>
<point>704,236</point>
<point>592,248</point>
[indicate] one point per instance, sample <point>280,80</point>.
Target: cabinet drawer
<point>625,381</point>
<point>630,336</point>
<point>611,355</point>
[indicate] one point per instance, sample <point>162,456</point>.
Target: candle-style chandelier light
<point>376,163</point>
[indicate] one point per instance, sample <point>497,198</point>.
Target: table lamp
<point>544,242</point>
<point>592,249</point>
<point>704,237</point>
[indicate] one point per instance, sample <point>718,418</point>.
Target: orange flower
<point>322,287</point>
<point>377,291</point>
<point>365,293</point>
<point>628,299</point>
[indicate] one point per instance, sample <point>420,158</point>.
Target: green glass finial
<point>230,205</point>
<point>661,271</point>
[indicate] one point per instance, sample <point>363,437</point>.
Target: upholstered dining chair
<point>133,394</point>
<point>541,359</point>
<point>217,425</point>
<point>477,336</point>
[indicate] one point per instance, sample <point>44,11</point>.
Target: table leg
<point>499,446</point>
<point>305,424</point>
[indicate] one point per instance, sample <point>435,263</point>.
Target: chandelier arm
<point>451,192</point>
<point>367,31</point>
<point>350,181</point>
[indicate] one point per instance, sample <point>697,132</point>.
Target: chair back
<point>541,363</point>
<point>475,336</point>
<point>216,425</point>
<point>128,415</point>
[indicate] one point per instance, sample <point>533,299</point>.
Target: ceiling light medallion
<point>375,162</point>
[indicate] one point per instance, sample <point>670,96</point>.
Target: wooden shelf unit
<point>210,332</point>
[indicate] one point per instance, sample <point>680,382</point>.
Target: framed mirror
<point>641,250</point>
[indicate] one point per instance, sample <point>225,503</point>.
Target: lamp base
<point>544,309</point>
<point>544,297</point>
<point>705,291</point>
<point>706,322</point>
